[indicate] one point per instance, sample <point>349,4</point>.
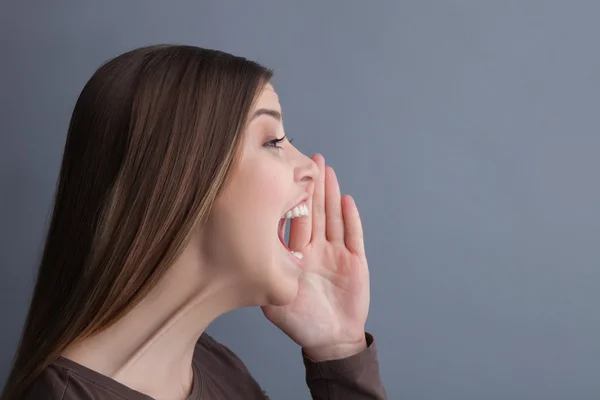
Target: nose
<point>306,171</point>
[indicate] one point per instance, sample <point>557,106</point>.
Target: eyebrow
<point>266,111</point>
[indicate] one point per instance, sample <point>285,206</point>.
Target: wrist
<point>336,351</point>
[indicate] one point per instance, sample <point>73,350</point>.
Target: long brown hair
<point>154,135</point>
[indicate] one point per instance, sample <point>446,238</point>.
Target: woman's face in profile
<point>242,237</point>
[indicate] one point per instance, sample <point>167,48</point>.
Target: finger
<point>333,208</point>
<point>300,230</point>
<point>318,200</point>
<point>353,236</point>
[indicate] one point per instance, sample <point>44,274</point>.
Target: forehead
<point>268,98</point>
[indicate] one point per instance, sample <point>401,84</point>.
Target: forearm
<point>355,377</point>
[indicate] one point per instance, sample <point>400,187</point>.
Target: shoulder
<point>64,379</point>
<point>51,384</point>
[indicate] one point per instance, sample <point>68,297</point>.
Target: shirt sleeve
<point>353,378</point>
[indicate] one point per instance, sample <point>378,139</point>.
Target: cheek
<point>248,213</point>
<point>264,190</point>
<point>263,197</point>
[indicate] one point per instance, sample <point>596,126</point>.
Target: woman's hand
<point>327,317</point>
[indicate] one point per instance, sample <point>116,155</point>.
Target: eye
<point>274,143</point>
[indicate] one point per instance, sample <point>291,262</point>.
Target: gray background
<point>466,130</point>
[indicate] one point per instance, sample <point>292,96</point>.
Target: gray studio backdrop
<point>466,130</point>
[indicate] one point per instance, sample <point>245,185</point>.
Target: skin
<point>237,260</point>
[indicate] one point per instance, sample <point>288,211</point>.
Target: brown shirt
<point>219,375</point>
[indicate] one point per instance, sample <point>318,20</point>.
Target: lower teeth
<point>298,255</point>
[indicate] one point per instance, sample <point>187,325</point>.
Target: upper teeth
<point>298,211</point>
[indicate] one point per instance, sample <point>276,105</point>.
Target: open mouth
<point>282,224</point>
<point>300,210</point>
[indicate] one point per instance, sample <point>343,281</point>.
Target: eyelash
<point>273,143</point>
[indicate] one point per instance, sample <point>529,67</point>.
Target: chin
<point>281,296</point>
<point>282,288</point>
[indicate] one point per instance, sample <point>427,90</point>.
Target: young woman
<point>176,184</point>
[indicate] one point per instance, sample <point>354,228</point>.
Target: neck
<point>150,349</point>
